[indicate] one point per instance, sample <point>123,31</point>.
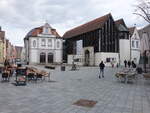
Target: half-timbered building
<point>97,40</point>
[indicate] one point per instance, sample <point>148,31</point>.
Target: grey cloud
<point>62,14</point>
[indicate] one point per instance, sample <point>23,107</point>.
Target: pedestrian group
<point>129,64</point>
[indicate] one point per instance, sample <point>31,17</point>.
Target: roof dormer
<point>47,29</point>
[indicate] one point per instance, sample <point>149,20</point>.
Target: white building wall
<point>70,59</point>
<point>135,56</point>
<point>101,56</point>
<point>124,46</point>
<point>79,57</point>
<point>34,56</point>
<point>135,50</point>
<point>34,46</point>
<point>58,56</point>
<point>35,50</point>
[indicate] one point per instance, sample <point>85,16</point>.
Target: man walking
<point>101,66</point>
<point>125,63</point>
<point>129,63</point>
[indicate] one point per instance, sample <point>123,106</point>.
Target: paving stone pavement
<point>70,86</point>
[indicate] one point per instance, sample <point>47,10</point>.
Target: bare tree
<point>143,9</point>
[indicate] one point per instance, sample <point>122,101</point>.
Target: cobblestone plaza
<point>67,87</point>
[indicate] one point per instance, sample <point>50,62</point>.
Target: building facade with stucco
<point>43,45</point>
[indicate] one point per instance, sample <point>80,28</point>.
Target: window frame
<point>43,42</point>
<point>34,43</point>
<point>133,43</point>
<point>137,44</point>
<point>49,43</point>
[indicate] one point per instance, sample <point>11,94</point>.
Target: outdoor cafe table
<point>125,75</point>
<point>37,72</point>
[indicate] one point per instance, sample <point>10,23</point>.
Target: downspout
<point>130,46</point>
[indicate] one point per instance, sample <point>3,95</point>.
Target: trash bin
<point>63,68</point>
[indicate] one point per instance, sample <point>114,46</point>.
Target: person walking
<point>101,66</point>
<point>125,63</point>
<point>129,63</point>
<point>133,64</point>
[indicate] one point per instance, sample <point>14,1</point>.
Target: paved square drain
<point>85,103</point>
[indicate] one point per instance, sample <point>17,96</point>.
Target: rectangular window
<point>79,47</point>
<point>49,42</point>
<point>58,44</point>
<point>107,59</point>
<point>137,44</point>
<point>133,44</point>
<point>43,42</point>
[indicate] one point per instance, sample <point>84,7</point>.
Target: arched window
<point>34,43</point>
<point>42,58</point>
<point>50,58</point>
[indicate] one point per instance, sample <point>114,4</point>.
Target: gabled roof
<point>34,32</point>
<point>146,29</point>
<point>131,30</point>
<point>90,26</point>
<point>121,25</point>
<point>119,21</point>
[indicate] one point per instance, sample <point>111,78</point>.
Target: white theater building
<point>43,45</point>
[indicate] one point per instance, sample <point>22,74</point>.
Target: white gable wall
<point>135,50</point>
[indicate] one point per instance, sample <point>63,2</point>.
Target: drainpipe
<point>144,61</point>
<point>130,46</point>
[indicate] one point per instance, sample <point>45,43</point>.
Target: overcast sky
<point>18,17</point>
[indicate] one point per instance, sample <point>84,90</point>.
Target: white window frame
<point>137,44</point>
<point>50,43</point>
<point>34,43</point>
<point>58,44</point>
<point>133,43</point>
<point>43,42</point>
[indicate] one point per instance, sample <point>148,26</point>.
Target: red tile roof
<point>90,26</point>
<point>120,21</point>
<point>34,32</point>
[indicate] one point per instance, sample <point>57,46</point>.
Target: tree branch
<point>142,17</point>
<point>145,13</point>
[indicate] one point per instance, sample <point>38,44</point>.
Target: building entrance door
<point>42,58</point>
<point>50,58</point>
<point>87,57</point>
